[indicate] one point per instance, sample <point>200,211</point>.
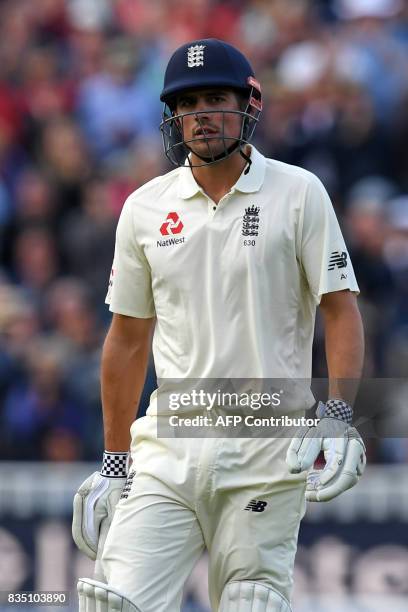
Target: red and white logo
<point>172,225</point>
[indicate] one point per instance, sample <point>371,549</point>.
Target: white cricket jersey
<point>234,286</point>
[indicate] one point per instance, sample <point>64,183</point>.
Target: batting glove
<point>343,448</point>
<point>95,503</point>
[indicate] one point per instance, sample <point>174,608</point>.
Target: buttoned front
<point>234,290</point>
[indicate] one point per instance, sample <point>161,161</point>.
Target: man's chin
<point>211,148</point>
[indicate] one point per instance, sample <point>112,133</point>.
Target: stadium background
<point>79,114</point>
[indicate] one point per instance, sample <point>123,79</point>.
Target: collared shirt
<point>234,286</point>
<point>247,183</point>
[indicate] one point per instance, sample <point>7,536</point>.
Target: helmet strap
<point>247,159</point>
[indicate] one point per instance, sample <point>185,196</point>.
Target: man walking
<point>226,258</point>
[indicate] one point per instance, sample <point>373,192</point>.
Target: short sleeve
<point>324,256</point>
<point>130,287</point>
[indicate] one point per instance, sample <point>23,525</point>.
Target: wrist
<point>114,464</point>
<point>336,409</point>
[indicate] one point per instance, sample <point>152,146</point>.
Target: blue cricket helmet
<point>207,63</point>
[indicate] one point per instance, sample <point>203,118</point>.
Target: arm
<point>331,280</point>
<point>344,337</point>
<point>343,447</point>
<point>124,363</point>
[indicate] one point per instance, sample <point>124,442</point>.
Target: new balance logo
<point>338,260</point>
<point>195,56</point>
<point>111,278</point>
<point>256,505</point>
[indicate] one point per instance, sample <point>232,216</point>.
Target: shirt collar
<point>253,181</point>
<point>247,183</point>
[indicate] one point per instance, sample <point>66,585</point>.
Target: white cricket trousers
<point>233,496</point>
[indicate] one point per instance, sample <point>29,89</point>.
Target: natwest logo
<point>172,225</point>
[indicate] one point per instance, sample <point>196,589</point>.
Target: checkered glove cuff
<point>337,409</point>
<point>114,465</point>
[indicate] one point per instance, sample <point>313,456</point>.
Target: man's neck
<point>217,179</point>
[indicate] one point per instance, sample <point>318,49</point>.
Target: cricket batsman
<point>225,260</point>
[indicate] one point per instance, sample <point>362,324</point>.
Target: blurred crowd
<point>79,114</point>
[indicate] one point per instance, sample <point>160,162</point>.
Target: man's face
<point>209,129</point>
